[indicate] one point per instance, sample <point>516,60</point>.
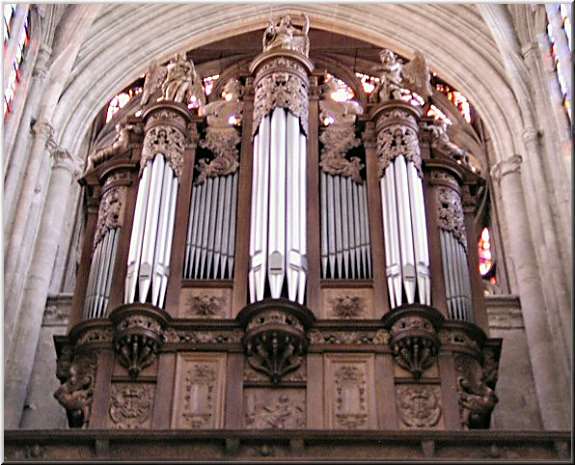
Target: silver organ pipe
<point>454,249</point>
<point>154,215</point>
<point>407,257</point>
<point>110,218</point>
<point>345,233</point>
<point>278,263</point>
<point>210,243</point>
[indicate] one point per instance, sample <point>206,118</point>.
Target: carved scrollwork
<point>184,336</point>
<point>119,146</point>
<point>283,35</point>
<point>221,136</point>
<point>414,343</point>
<point>286,89</point>
<point>95,336</point>
<point>131,405</point>
<point>419,406</point>
<point>110,214</point>
<point>347,306</point>
<point>168,141</point>
<point>396,140</point>
<point>76,392</point>
<point>380,336</point>
<point>450,214</point>
<point>206,306</point>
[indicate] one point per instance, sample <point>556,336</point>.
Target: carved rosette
<point>281,81</point>
<point>413,338</point>
<point>397,134</point>
<point>138,335</point>
<point>165,133</point>
<point>78,378</point>
<point>111,212</point>
<point>450,214</point>
<point>275,339</point>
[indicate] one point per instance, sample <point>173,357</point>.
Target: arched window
<point>22,36</point>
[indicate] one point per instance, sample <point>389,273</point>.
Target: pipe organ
<point>272,258</point>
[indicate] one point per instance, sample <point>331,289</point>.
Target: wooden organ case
<point>277,259</point>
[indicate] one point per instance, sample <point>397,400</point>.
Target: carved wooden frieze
<point>205,303</point>
<point>199,397</point>
<point>349,391</point>
<point>267,408</point>
<point>191,336</point>
<point>396,140</point>
<point>347,303</point>
<point>419,406</point>
<point>131,405</point>
<point>341,337</point>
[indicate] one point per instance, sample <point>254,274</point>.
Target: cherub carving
<point>75,395</point>
<point>285,35</point>
<point>395,76</point>
<point>339,135</point>
<point>221,136</point>
<point>182,81</point>
<point>440,140</point>
<point>120,145</point>
<point>477,402</point>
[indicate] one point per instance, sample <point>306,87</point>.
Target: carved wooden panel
<point>130,405</point>
<point>350,391</point>
<point>419,406</point>
<point>199,396</point>
<point>347,303</point>
<point>275,408</point>
<point>205,302</point>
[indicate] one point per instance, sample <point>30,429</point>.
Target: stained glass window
<point>342,93</point>
<point>368,82</point>
<point>15,73</point>
<point>120,101</point>
<point>485,256</point>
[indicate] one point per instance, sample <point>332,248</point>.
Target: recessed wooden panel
<point>347,303</point>
<point>199,396</point>
<point>205,302</point>
<point>274,408</point>
<point>350,391</point>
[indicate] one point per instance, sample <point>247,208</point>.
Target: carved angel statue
<point>153,80</point>
<point>440,140</point>
<point>285,35</point>
<point>477,402</point>
<point>338,137</point>
<point>117,147</point>
<point>182,81</point>
<point>221,136</point>
<point>395,76</point>
<point>75,395</point>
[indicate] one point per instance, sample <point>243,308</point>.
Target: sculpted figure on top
<point>177,81</point>
<point>395,76</point>
<point>284,35</point>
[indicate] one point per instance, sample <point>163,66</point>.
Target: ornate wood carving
<point>111,212</point>
<point>199,391</point>
<point>334,337</point>
<point>275,409</point>
<point>283,35</point>
<point>299,375</point>
<point>419,406</point>
<point>440,141</point>
<point>77,390</point>
<point>396,140</point>
<point>168,141</point>
<point>131,405</point>
<point>450,214</point>
<point>189,336</point>
<point>347,303</point>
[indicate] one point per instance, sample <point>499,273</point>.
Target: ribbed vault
<point>124,39</point>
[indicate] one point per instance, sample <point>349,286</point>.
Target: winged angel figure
<point>283,34</point>
<point>177,81</point>
<point>395,76</point>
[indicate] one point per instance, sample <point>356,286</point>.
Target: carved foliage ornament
<point>110,214</point>
<point>396,140</point>
<point>282,90</point>
<point>76,393</point>
<point>419,406</point>
<point>347,306</point>
<point>221,136</point>
<point>414,344</point>
<point>380,336</point>
<point>165,140</point>
<point>450,214</point>
<point>206,306</point>
<point>131,405</point>
<point>183,336</point>
<point>350,397</point>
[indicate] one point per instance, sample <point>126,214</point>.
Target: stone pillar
<point>551,382</point>
<point>27,328</point>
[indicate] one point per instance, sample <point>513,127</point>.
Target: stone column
<point>551,382</point>
<point>27,328</point>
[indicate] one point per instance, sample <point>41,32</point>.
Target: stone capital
<point>505,167</point>
<point>62,159</point>
<point>42,129</point>
<point>41,65</point>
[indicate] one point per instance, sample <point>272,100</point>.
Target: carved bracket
<point>138,335</point>
<point>275,339</point>
<point>414,338</point>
